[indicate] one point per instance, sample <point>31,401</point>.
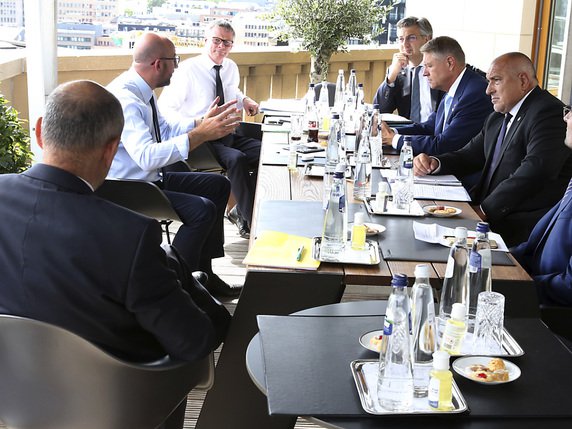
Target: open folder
<point>280,250</point>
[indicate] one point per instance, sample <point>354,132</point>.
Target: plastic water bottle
<point>333,156</point>
<point>395,384</point>
<point>324,107</point>
<point>480,272</point>
<point>339,99</point>
<point>352,84</point>
<point>455,283</point>
<point>375,137</point>
<point>404,197</point>
<point>360,99</point>
<point>311,114</point>
<point>334,233</point>
<point>362,180</point>
<point>424,339</point>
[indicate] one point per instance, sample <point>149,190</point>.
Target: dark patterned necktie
<point>498,146</point>
<point>415,115</point>
<point>155,121</point>
<point>219,88</point>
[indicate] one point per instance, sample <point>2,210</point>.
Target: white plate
<point>376,227</point>
<point>427,210</point>
<point>365,339</point>
<point>461,366</point>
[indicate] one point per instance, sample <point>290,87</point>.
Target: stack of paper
<point>280,250</point>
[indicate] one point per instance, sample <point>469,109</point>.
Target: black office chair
<point>331,92</point>
<point>141,197</point>
<point>52,378</point>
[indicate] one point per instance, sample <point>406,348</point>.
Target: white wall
<point>484,28</point>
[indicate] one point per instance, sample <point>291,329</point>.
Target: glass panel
<point>556,46</point>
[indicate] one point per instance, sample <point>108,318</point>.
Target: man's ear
<point>38,132</point>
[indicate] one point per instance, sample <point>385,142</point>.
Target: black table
<point>542,349</point>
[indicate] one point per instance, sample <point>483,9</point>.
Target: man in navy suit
<point>462,110</point>
<point>525,167</point>
<point>400,86</point>
<point>77,261</point>
<point>547,255</point>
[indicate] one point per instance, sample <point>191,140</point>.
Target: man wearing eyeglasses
<point>195,84</point>
<point>405,88</point>
<point>150,141</point>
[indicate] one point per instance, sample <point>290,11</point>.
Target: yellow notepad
<point>280,250</point>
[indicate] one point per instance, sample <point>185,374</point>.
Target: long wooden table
<point>234,401</point>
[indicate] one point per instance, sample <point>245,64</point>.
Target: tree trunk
<point>320,64</point>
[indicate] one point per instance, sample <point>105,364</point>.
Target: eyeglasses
<point>410,38</point>
<point>176,59</point>
<point>217,41</point>
<point>566,110</point>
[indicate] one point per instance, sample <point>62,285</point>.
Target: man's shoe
<point>239,222</point>
<point>201,277</point>
<point>218,288</point>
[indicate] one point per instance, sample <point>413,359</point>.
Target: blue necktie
<point>448,100</point>
<point>415,115</point>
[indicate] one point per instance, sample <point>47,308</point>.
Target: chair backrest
<point>331,92</point>
<point>250,129</point>
<point>203,159</point>
<point>140,196</point>
<point>51,378</point>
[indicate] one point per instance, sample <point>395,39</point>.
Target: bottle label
<point>453,337</point>
<point>342,205</point>
<point>433,392</point>
<point>407,163</point>
<point>475,262</point>
<point>387,327</point>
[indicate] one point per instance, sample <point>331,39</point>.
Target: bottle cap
<point>360,85</point>
<point>335,116</point>
<point>406,138</point>
<point>340,168</point>
<point>312,85</point>
<point>441,360</point>
<point>483,227</point>
<point>399,280</point>
<point>352,70</point>
<point>422,271</point>
<point>460,232</point>
<point>340,71</point>
<point>359,218</point>
<point>459,311</point>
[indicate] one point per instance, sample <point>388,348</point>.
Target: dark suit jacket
<point>532,173</point>
<point>547,255</point>
<point>398,96</point>
<point>70,258</point>
<point>469,109</point>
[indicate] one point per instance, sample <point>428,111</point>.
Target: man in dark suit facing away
<point>525,167</point>
<point>77,261</point>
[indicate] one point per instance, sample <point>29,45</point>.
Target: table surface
<point>276,182</point>
<point>541,350</point>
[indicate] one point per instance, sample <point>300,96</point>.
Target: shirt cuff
<point>396,137</point>
<point>436,171</point>
<point>182,144</point>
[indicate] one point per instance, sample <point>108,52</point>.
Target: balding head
<point>153,59</point>
<point>81,129</point>
<point>511,76</point>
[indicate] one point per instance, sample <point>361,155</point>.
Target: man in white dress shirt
<point>149,142</point>
<point>194,87</point>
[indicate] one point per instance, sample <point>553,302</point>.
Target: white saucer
<point>461,367</point>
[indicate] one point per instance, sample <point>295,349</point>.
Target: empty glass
<point>489,321</point>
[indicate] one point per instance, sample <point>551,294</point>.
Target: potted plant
<point>15,153</point>
<point>324,26</point>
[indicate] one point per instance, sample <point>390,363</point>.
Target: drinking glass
<point>402,193</point>
<point>489,322</point>
<point>296,127</point>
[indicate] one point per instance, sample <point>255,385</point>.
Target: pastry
<point>375,342</point>
<point>494,371</point>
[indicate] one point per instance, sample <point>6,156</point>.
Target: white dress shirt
<point>138,155</point>
<point>193,87</point>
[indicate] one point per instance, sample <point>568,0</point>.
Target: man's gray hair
<point>81,116</point>
<point>423,23</point>
<point>223,23</point>
<point>444,46</point>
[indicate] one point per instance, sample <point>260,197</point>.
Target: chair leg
<point>166,225</point>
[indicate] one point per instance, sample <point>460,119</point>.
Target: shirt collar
<point>455,85</point>
<point>516,107</point>
<point>143,87</point>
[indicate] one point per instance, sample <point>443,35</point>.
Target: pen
<point>299,253</point>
